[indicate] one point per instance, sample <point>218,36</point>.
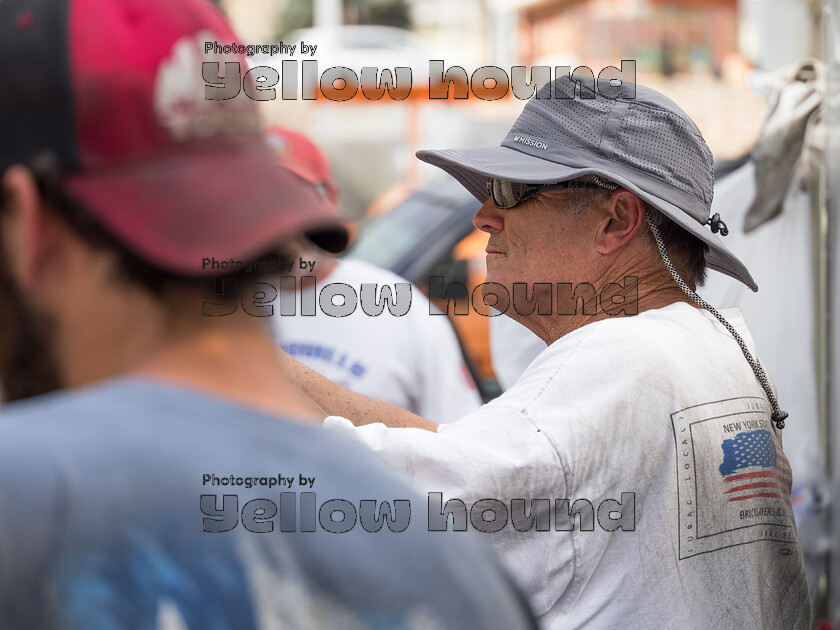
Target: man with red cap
<point>410,359</point>
<point>156,470</point>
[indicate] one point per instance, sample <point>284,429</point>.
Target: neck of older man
<point>637,282</point>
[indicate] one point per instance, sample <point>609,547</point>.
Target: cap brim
<point>223,203</point>
<point>473,166</point>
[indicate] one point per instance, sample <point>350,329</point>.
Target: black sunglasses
<point>507,194</point>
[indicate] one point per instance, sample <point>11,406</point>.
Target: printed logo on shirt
<point>331,362</point>
<point>733,480</point>
<point>755,467</point>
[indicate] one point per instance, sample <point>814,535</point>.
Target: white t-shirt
<point>512,348</point>
<point>412,361</point>
<point>661,413</point>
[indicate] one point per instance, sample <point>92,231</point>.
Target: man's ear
<point>30,233</point>
<point>623,218</point>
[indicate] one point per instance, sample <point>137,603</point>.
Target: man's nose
<point>489,218</point>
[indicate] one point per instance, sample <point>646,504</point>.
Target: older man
<point>633,477</point>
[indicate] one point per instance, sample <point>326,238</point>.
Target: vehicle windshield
<point>385,240</point>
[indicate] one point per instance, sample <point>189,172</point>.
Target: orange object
<point>473,328</point>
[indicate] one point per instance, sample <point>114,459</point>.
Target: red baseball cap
<point>300,155</point>
<point>113,89</point>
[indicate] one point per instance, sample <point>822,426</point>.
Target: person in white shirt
<point>407,357</point>
<point>633,476</point>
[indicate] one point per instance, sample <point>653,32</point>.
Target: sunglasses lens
<point>506,194</point>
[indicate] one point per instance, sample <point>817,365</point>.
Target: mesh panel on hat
<point>571,122</point>
<point>661,143</point>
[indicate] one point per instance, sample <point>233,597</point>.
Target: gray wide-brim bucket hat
<point>632,135</point>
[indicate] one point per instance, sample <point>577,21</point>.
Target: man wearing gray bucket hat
<point>646,144</point>
<point>633,477</point>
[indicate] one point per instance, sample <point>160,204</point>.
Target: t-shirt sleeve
<point>494,454</point>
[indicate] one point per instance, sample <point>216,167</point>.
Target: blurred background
<point>760,77</point>
<point>699,52</point>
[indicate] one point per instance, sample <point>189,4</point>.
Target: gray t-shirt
<point>113,514</point>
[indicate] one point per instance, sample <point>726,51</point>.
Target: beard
<point>28,366</point>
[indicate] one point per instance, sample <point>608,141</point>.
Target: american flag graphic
<point>754,467</point>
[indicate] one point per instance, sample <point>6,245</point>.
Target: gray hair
<point>687,252</point>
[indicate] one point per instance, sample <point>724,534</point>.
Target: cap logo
<point>537,144</point>
<point>179,102</point>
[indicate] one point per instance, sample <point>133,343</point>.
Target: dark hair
<point>687,252</point>
<point>131,266</point>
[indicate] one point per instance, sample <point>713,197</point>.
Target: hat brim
<point>473,166</point>
<point>224,203</point>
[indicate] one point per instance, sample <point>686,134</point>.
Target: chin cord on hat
<point>778,416</point>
